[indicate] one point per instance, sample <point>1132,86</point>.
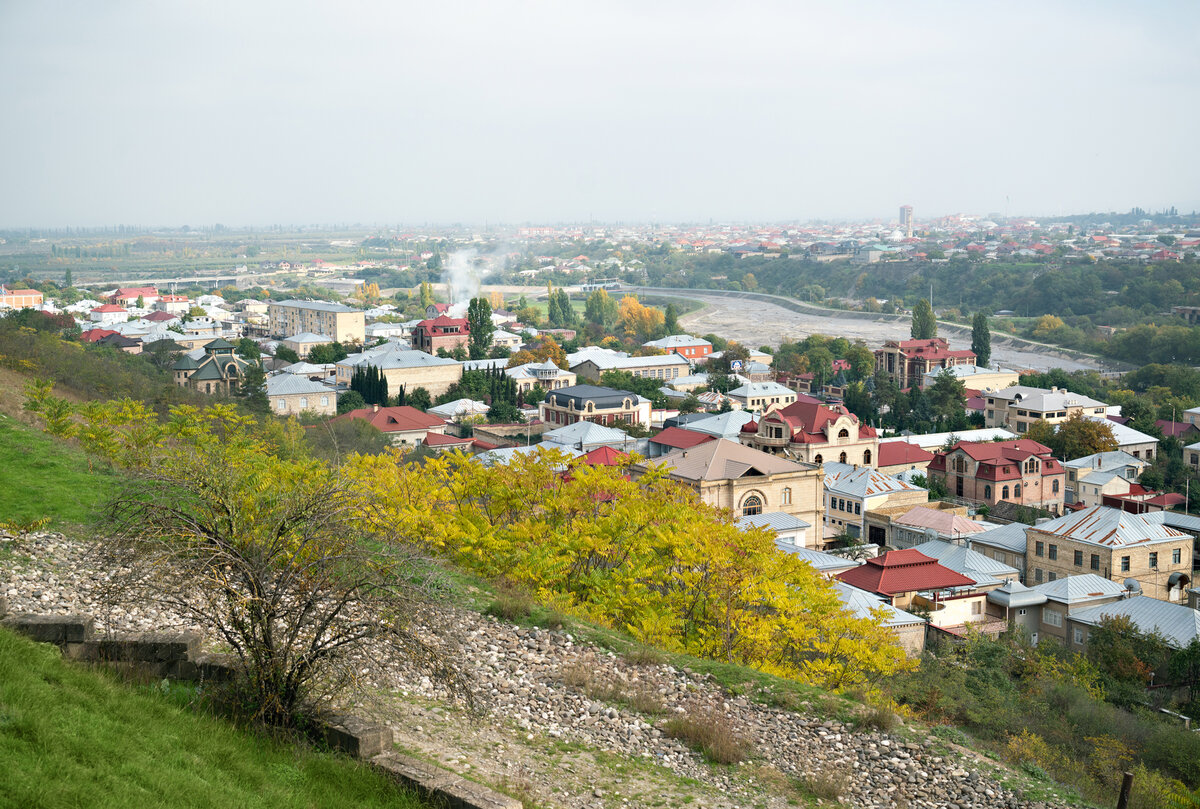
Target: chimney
<point>375,408</point>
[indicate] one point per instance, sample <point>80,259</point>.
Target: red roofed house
<point>19,298</point>
<point>108,313</point>
<point>441,332</point>
<point>907,361</point>
<point>405,426</point>
<point>908,579</point>
<point>813,432</point>
<point>674,438</point>
<point>95,335</point>
<point>1020,471</point>
<point>128,296</point>
<point>900,456</point>
<point>435,309</point>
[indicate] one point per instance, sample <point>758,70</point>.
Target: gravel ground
<point>555,724</point>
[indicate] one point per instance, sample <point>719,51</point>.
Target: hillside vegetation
<point>75,737</point>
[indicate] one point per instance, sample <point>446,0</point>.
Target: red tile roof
<point>394,419</point>
<point>894,453</point>
<point>441,323</point>
<point>680,438</point>
<point>93,335</point>
<point>109,307</point>
<point>439,440</point>
<point>604,456</point>
<point>158,317</point>
<point>904,571</point>
<point>807,418</point>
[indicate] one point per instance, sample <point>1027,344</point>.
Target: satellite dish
<point>1133,585</point>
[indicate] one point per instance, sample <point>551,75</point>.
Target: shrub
<point>708,732</point>
<point>510,604</point>
<point>826,785</point>
<point>644,656</point>
<point>878,717</point>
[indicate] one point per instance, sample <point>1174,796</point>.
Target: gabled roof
<point>442,322</point>
<point>680,438</point>
<point>895,453</point>
<point>394,419</point>
<point>1076,589</point>
<point>604,456</point>
<point>862,603</point>
<point>997,451</point>
<point>823,562</point>
<point>160,317</point>
<point>1013,594</point>
<point>721,425</point>
<point>724,460</point>
<point>971,564</point>
<point>807,418</point>
<point>945,523</point>
<point>863,482</point>
<point>1101,525</point>
<point>678,341</point>
<point>585,433</point>
<point>903,571</point>
<point>582,394</point>
<point>1180,625</point>
<point>440,440</point>
<point>1044,400</point>
<point>1011,537</point>
<point>289,384</point>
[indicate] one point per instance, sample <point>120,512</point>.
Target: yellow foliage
<point>640,322</point>
<point>1047,324</point>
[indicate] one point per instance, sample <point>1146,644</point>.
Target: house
<point>974,378</point>
<point>593,403</point>
<point>1123,547</point>
<point>459,410</point>
<point>921,523</point>
<point>673,438</point>
<point>987,573</point>
<point>1134,442</point>
<point>1104,473</point>
<point>130,345</point>
<point>545,375</point>
<point>664,366</point>
<point>292,394</point>
<point>435,310</point>
<point>334,320</point>
<point>908,628</point>
<point>729,475</point>
<point>1064,596</point>
<point>1004,543</point>
<point>1191,455</point>
<point>813,432</point>
<point>211,369</point>
<point>758,396</point>
<point>906,362</point>
<point>1020,406</point>
<point>108,313</point>
<point>1178,624</point>
<point>1022,472</point>
<point>404,426</point>
<point>441,333</point>
<point>305,342</point>
<point>506,339</point>
<point>718,425</point>
<point>851,491</point>
<point>900,456</point>
<point>19,298</point>
<point>403,367</point>
<point>180,304</point>
<point>909,579</point>
<point>693,349</point>
<point>585,436</point>
<point>791,535</point>
<point>1183,430</point>
<point>128,296</point>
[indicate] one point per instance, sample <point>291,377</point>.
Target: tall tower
<point>906,220</point>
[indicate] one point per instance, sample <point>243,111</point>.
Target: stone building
<point>810,431</point>
<point>334,320</point>
<point>211,369</point>
<point>1022,472</point>
<point>906,362</point>
<point>595,404</point>
<point>441,333</point>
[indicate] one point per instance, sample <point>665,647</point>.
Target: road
<point>755,322</point>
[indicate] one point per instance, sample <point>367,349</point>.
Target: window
<point>1079,636</point>
<point>1022,612</point>
<point>1095,562</point>
<point>867,457</point>
<point>1039,548</point>
<point>1054,486</point>
<point>282,404</point>
<point>987,492</point>
<point>1078,558</point>
<point>858,510</point>
<point>842,458</point>
<point>752,505</point>
<point>976,608</point>
<point>1037,575</point>
<point>1017,490</point>
<point>303,402</point>
<point>1175,556</point>
<point>817,459</point>
<point>787,497</point>
<point>1153,560</point>
<point>1031,466</point>
<point>1053,576</point>
<point>1004,493</point>
<point>1053,551</point>
<point>1051,618</point>
<point>1124,564</point>
<point>324,401</point>
<point>843,433</point>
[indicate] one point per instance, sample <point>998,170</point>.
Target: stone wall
<point>177,655</point>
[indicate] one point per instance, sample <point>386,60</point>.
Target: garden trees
<point>547,348</point>
<point>640,322</point>
<point>1074,438</point>
<point>253,389</point>
<point>268,553</point>
<point>671,320</point>
<point>371,384</point>
<point>327,353</point>
<point>602,309</point>
<point>479,320</point>
<point>351,400</point>
<point>924,323</point>
<point>248,349</point>
<point>981,339</point>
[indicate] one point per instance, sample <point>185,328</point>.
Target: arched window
<point>1017,490</point>
<point>817,459</point>
<point>1054,487</point>
<point>842,458</point>
<point>843,433</point>
<point>752,505</point>
<point>1031,466</point>
<point>787,497</point>
<point>866,457</point>
<point>1004,493</point>
<point>987,492</point>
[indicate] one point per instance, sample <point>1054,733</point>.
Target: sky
<point>253,113</point>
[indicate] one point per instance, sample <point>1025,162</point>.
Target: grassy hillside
<point>72,737</point>
<point>47,478</point>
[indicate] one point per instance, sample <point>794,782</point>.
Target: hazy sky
<point>250,112</point>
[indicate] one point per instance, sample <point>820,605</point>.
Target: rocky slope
<point>566,724</point>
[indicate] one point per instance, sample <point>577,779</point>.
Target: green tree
<point>981,339</point>
<point>426,294</point>
<point>248,349</point>
<point>924,323</point>
<point>350,400</point>
<point>333,440</point>
<point>253,389</point>
<point>505,413</point>
<point>948,398</point>
<point>420,399</point>
<point>68,279</point>
<point>479,321</point>
<point>671,324</point>
<point>285,354</point>
<point>602,309</point>
<point>327,353</point>
<point>689,404</point>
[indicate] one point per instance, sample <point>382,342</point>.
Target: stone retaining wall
<point>177,655</point>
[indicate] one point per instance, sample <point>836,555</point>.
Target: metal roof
<point>775,520</point>
<point>319,306</point>
<point>289,384</point>
<point>724,460</point>
<point>1178,624</point>
<point>823,562</point>
<point>962,559</point>
<point>1010,537</point>
<point>863,482</point>
<point>1014,594</point>
<point>1100,525</point>
<point>1077,589</point>
<point>862,604</point>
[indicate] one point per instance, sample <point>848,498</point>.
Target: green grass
<point>75,737</point>
<point>43,477</point>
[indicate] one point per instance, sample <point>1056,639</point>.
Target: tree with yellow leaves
<point>545,348</point>
<point>640,322</point>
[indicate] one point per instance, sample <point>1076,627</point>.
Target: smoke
<point>461,277</point>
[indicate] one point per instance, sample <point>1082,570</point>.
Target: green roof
<point>218,343</point>
<point>185,363</point>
